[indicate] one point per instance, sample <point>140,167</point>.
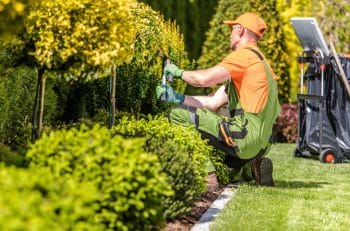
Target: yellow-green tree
<point>77,39</point>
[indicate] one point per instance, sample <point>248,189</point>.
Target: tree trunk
<point>38,106</point>
<point>112,97</point>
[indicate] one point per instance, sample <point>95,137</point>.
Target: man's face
<point>235,37</point>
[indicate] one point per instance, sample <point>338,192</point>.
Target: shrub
<point>181,152</point>
<point>285,127</point>
<point>222,172</point>
<point>10,157</point>
<point>129,180</point>
<point>33,200</point>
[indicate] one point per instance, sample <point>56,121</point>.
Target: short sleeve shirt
<point>249,78</point>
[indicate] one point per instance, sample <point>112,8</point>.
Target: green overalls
<point>244,135</point>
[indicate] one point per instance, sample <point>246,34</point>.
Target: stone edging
<point>203,224</point>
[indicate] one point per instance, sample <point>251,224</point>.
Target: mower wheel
<point>327,156</point>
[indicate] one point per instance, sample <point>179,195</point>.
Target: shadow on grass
<point>299,184</point>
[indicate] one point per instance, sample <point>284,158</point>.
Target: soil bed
<point>199,208</point>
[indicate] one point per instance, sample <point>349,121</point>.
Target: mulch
<point>199,208</point>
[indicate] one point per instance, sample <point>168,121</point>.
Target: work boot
<point>262,172</point>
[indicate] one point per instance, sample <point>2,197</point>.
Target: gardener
<point>250,90</point>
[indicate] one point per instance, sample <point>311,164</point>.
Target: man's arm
<point>207,77</point>
<point>212,103</point>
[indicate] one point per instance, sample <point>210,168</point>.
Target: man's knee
<point>182,116</point>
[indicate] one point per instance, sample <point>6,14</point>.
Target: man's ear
<point>241,31</point>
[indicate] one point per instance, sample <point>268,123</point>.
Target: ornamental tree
<point>77,39</point>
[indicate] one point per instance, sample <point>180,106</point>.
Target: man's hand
<point>173,70</point>
<point>169,95</point>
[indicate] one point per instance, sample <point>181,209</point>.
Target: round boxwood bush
<point>181,152</point>
<point>33,200</point>
<point>130,182</point>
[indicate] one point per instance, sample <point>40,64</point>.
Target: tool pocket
<point>230,131</point>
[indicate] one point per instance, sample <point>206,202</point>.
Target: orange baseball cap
<point>251,21</point>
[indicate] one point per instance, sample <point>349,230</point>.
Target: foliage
<point>222,172</point>
<point>192,16</point>
<point>86,99</point>
<point>12,14</point>
<point>85,38</point>
<point>216,47</point>
<point>181,152</point>
<point>17,87</point>
<point>9,157</point>
<point>132,188</point>
<point>333,22</point>
<point>285,127</point>
<point>33,200</point>
<point>155,40</point>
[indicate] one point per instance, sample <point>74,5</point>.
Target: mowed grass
<point>308,195</point>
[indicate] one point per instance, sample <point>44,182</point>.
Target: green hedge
<point>132,188</point>
<point>17,92</point>
<point>34,200</point>
<point>182,154</point>
<point>192,16</point>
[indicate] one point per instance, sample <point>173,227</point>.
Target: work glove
<point>167,94</point>
<point>173,70</point>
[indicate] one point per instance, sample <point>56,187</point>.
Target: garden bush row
<point>129,181</point>
<point>145,171</point>
<point>32,199</point>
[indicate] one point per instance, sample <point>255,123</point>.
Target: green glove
<point>167,94</point>
<point>173,70</point>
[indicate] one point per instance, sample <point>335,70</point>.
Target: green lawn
<point>308,195</point>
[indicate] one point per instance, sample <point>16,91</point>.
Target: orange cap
<point>250,21</point>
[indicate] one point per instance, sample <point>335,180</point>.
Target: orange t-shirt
<point>249,78</point>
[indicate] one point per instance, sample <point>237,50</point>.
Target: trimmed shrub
<point>136,81</point>
<point>181,152</point>
<point>285,127</point>
<point>33,200</point>
<point>132,188</point>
